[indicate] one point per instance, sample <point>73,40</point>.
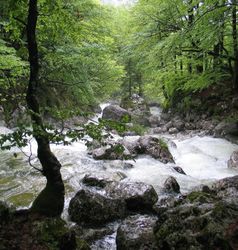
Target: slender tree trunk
<point>190,23</point>
<point>50,201</point>
<point>139,80</point>
<point>235,46</point>
<point>130,79</point>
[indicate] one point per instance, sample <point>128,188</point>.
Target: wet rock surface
<point>136,232</point>
<point>128,149</point>
<point>171,185</point>
<point>102,179</point>
<point>179,170</point>
<point>137,195</point>
<point>233,161</point>
<point>89,207</point>
<point>113,152</point>
<point>206,219</point>
<point>155,147</point>
<point>116,113</point>
<point>110,200</point>
<point>24,230</point>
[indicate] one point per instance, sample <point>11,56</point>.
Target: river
<point>203,159</point>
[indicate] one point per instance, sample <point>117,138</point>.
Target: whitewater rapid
<point>203,159</point>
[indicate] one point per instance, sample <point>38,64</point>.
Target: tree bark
<point>235,45</point>
<point>50,201</point>
<point>190,23</point>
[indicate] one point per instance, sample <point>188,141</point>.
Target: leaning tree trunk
<point>50,201</point>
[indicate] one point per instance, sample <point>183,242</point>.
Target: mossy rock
<point>53,233</point>
<point>201,197</point>
<point>50,231</point>
<point>163,144</point>
<point>206,223</point>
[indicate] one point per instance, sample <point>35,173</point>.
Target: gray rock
<point>179,125</point>
<point>201,220</point>
<point>171,185</point>
<point>173,131</point>
<point>233,161</point>
<point>111,152</point>
<point>154,120</point>
<point>179,170</point>
<point>190,126</point>
<point>158,130</point>
<point>137,195</point>
<point>156,148</point>
<point>102,179</point>
<point>132,145</point>
<point>116,113</point>
<point>227,189</point>
<point>165,116</point>
<point>137,232</point>
<point>208,125</point>
<point>169,125</point>
<point>92,234</point>
<point>225,128</point>
<point>92,208</point>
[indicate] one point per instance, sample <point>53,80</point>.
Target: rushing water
<point>203,159</point>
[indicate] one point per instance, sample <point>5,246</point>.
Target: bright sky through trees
<point>118,2</point>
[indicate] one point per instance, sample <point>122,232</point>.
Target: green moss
<point>21,200</point>
<point>163,232</point>
<point>81,244</point>
<point>198,196</point>
<point>53,234</point>
<point>163,144</point>
<point>50,231</point>
<point>138,129</point>
<point>221,209</point>
<point>6,180</point>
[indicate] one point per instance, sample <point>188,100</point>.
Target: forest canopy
<point>89,51</point>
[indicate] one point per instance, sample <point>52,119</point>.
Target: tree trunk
<point>130,79</point>
<point>50,201</point>
<point>235,46</point>
<point>190,24</point>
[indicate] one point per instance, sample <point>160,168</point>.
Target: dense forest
<point>89,52</point>
<point>61,60</point>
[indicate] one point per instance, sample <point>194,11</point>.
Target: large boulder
<point>226,128</point>
<point>206,219</point>
<point>154,121</point>
<point>90,207</point>
<point>233,161</point>
<point>103,200</point>
<point>116,113</point>
<point>137,195</point>
<point>136,232</point>
<point>227,189</point>
<point>132,144</point>
<point>178,124</point>
<point>111,152</point>
<point>156,148</point>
